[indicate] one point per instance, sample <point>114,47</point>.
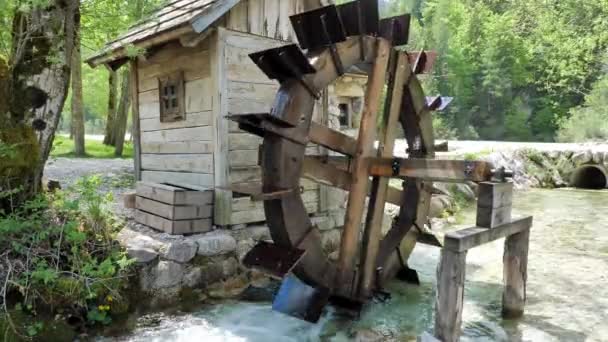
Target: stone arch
<point>589,176</point>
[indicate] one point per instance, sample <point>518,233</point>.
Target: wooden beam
<point>430,169</point>
<point>515,263</point>
<point>324,173</point>
<point>379,189</point>
<point>332,139</point>
<point>450,295</point>
<point>221,164</point>
<point>136,131</point>
<point>360,176</point>
<point>465,239</point>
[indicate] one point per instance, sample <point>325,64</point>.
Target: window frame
<point>176,110</point>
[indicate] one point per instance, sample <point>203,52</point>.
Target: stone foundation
<point>209,265</point>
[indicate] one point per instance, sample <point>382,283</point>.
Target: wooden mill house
<point>194,72</point>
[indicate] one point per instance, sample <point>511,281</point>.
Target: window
<point>344,115</point>
<point>171,97</point>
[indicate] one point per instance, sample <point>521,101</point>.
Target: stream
<point>567,290</point>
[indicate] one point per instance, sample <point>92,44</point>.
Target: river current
<point>567,290</point>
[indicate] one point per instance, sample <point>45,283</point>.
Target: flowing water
<point>567,290</point>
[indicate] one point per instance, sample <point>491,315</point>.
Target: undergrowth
<point>59,258</point>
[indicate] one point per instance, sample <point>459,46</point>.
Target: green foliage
<point>514,68</point>
<point>64,147</point>
<point>61,255</point>
<point>588,122</point>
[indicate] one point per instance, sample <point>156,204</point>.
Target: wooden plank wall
<point>182,151</point>
<point>250,91</point>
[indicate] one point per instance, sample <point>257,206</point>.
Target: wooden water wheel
<point>332,41</point>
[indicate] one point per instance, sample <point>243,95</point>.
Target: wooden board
<point>244,141</point>
<point>177,147</point>
<point>251,216</point>
<point>196,163</point>
<point>200,179</point>
<point>173,227</point>
<point>193,61</point>
<point>173,195</point>
<point>250,97</point>
<point>174,212</point>
<point>450,295</point>
<point>493,217</point>
<point>495,195</point>
<point>243,158</point>
<point>204,133</point>
<point>466,239</point>
<point>196,99</point>
<point>191,120</point>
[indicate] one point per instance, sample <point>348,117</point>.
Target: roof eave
<point>106,57</point>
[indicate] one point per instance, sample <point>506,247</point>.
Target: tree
<point>35,84</point>
<point>77,103</point>
<point>109,138</point>
<point>123,112</point>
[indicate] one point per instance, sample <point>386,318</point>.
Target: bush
<point>585,124</point>
<point>590,121</point>
<point>60,256</point>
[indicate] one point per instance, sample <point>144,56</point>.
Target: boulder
<point>193,278</point>
<point>230,267</point>
<point>598,157</point>
<point>216,243</point>
<point>582,157</point>
<point>166,274</point>
<point>142,255</point>
<point>180,251</point>
<point>243,247</point>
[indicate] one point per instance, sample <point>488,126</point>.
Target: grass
<point>64,147</point>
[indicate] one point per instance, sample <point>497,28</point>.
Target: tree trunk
<point>36,83</point>
<point>123,112</point>
<point>77,105</point>
<point>109,138</point>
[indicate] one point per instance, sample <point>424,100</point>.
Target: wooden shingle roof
<point>170,22</point>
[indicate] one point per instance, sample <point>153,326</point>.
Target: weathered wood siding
<point>250,91</point>
<point>181,151</point>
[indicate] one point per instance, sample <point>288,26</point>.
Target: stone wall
<point>172,268</point>
<point>547,168</point>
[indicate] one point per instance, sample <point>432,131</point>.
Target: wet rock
<point>439,204</point>
<point>165,274</point>
<point>368,336</point>
<point>180,251</point>
<point>216,243</point>
<point>193,278</point>
<point>256,233</point>
<point>598,157</point>
<point>330,240</point>
<point>260,294</point>
<point>230,267</point>
<point>582,157</point>
<point>142,255</point>
<point>231,288</point>
<point>322,222</point>
<point>243,247</point>
<point>212,272</point>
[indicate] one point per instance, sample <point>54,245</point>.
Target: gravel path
<point>117,176</point>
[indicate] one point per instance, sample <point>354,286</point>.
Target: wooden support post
<point>136,131</point>
<point>515,272</point>
<point>494,204</point>
<point>375,215</point>
<point>450,295</point>
<point>360,176</point>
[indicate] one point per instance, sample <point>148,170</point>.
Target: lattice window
<point>171,97</point>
